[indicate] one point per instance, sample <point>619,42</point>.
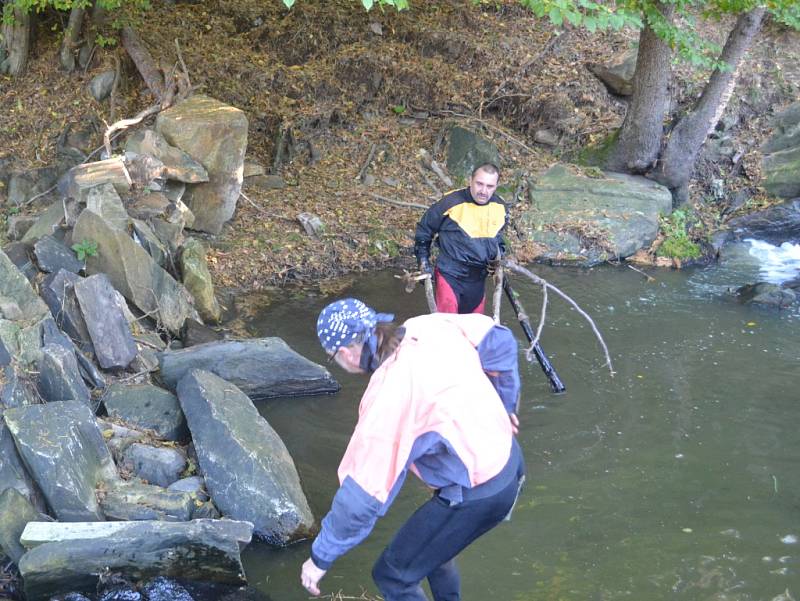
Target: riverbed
<point>675,478</point>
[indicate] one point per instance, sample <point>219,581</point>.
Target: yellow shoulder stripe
<point>479,221</point>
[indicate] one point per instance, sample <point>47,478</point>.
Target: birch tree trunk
<point>677,161</point>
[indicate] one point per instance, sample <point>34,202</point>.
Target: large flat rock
<point>586,219</point>
<point>65,453</point>
<point>61,560</point>
<point>262,368</point>
<point>248,470</point>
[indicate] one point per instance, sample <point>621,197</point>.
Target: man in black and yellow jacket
<point>467,225</point>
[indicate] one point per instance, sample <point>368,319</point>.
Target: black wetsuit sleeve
<point>427,228</point>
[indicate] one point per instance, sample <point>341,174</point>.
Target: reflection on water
<point>675,479</point>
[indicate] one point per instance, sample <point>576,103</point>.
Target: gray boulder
<point>100,85</point>
<point>262,368</point>
<point>70,557</point>
<point>105,201</point>
<point>157,465</point>
<point>47,222</point>
<point>23,186</point>
<point>52,335</point>
<point>215,135</point>
<point>134,501</point>
<point>144,235</point>
<point>65,454</point>
<point>134,273</point>
<point>781,155</point>
<point>782,173</point>
<point>15,513</point>
<point>177,164</point>
<point>764,293</point>
<point>777,224</point>
<point>786,130</point>
<point>13,474</point>
<point>18,390</point>
<point>105,319</point>
<point>5,356</point>
<point>58,291</point>
<point>248,470</point>
<point>467,150</point>
<point>194,485</point>
<point>588,220</point>
<point>149,407</point>
<point>20,256</point>
<point>617,74</point>
<point>52,255</point>
<point>16,287</point>
<point>59,377</point>
<point>197,279</point>
<point>17,225</point>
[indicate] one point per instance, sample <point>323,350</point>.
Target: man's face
<point>482,185</point>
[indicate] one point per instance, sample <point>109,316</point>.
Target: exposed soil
<point>343,80</point>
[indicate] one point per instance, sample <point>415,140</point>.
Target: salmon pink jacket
<point>432,408</point>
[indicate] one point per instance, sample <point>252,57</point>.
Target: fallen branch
<point>399,203</point>
<point>263,211</point>
<point>145,64</point>
<point>126,123</point>
<point>370,155</point>
<point>183,65</point>
<point>649,277</point>
<point>498,292</point>
<point>428,181</point>
<point>513,266</point>
<point>411,279</point>
<point>428,161</point>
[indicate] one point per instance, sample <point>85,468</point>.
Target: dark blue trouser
<point>427,544</point>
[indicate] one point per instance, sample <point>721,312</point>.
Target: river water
<point>677,478</point>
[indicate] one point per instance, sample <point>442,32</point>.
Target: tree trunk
<point>639,141</point>
<point>144,62</point>
<point>71,37</point>
<point>678,159</point>
<point>17,37</point>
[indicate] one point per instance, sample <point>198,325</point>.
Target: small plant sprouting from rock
<point>677,244</point>
<point>86,248</point>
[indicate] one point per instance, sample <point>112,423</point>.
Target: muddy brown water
<point>675,479</point>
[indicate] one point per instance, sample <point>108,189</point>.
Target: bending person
<point>467,226</point>
<point>440,402</point>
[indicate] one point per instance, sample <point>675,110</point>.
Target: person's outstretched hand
<point>310,576</point>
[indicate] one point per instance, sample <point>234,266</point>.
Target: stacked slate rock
<point>119,455</point>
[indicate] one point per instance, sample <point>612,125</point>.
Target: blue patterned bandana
<point>344,321</point>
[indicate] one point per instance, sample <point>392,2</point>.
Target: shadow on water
<point>675,479</point>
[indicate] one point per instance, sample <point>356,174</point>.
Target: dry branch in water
<point>512,266</point>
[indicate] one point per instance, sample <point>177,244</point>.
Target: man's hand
<point>514,423</point>
<point>310,576</point>
<point>425,266</point>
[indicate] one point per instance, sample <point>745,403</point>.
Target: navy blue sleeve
<point>498,352</point>
<point>428,227</point>
<point>351,518</point>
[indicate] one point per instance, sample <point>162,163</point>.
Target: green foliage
<point>86,248</point>
<point>398,109</point>
<point>677,244</point>
<point>104,42</point>
<point>121,9</point>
